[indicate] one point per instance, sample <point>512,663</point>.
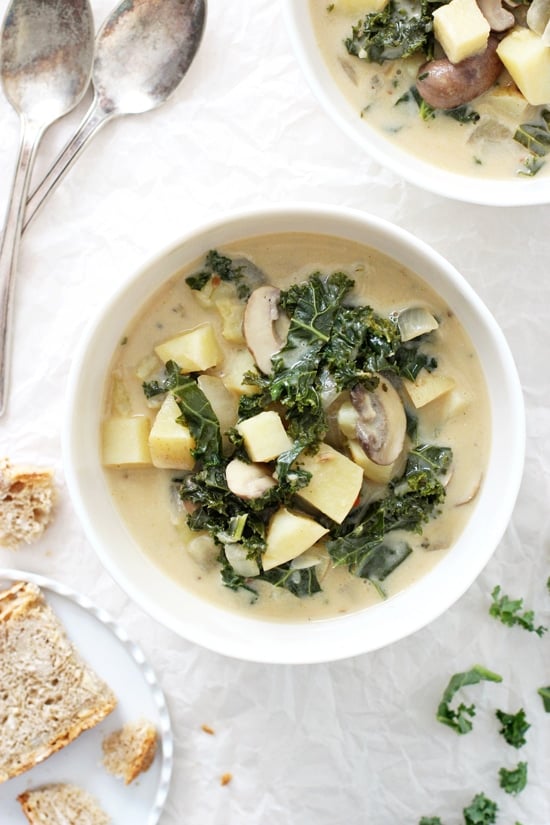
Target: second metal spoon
<point>143,51</point>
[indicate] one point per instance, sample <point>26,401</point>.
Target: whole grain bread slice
<point>61,804</point>
<point>27,499</point>
<point>48,694</point>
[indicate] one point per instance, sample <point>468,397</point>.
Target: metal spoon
<point>143,51</point>
<point>46,61</point>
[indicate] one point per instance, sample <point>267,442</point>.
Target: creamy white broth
<point>460,420</point>
<point>485,149</point>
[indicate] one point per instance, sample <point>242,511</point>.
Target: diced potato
<point>125,441</point>
<point>264,436</point>
<point>427,387</point>
<point>170,443</point>
<point>335,482</point>
<point>379,473</point>
<point>289,535</point>
<point>195,350</point>
<point>461,29</point>
<point>505,103</point>
<point>528,61</point>
<point>223,402</point>
<point>360,6</point>
<point>237,364</point>
<point>147,367</point>
<point>231,310</point>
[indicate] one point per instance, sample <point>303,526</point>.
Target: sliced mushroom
<point>382,423</point>
<point>498,17</point>
<point>260,332</point>
<point>248,480</point>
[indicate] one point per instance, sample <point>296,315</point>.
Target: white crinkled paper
<point>337,744</point>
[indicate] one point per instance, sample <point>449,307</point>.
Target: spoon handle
<point>9,248</point>
<point>95,117</point>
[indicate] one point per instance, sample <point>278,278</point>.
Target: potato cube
<point>125,441</point>
<point>264,436</point>
<point>528,61</point>
<point>378,473</point>
<point>461,29</point>
<point>194,351</point>
<point>335,482</point>
<point>289,535</point>
<point>239,363</point>
<point>427,387</point>
<point>170,443</point>
<point>360,7</point>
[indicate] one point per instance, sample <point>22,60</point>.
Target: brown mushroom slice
<point>499,18</point>
<point>260,333</point>
<point>382,424</point>
<point>248,481</point>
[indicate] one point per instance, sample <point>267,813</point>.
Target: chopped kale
<point>430,820</point>
<point>514,727</point>
<point>463,114</point>
<point>535,137</point>
<point>299,582</point>
<point>508,612</point>
<point>514,781</point>
<point>544,693</point>
<point>224,268</point>
<point>393,33</point>
<point>458,719</point>
<point>481,811</point>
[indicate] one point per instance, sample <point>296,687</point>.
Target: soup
<point>496,134</point>
<point>268,511</point>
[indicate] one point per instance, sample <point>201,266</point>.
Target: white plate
<point>105,646</point>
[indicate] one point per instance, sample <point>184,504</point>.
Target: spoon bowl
<point>46,61</point>
<point>143,52</point>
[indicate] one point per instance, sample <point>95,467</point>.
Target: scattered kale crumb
<point>507,610</point>
<point>459,719</point>
<point>481,811</point>
<point>514,727</point>
<point>513,781</point>
<point>548,584</point>
<point>430,820</point>
<point>544,693</point>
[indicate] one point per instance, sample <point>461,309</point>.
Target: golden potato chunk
<point>335,482</point>
<point>461,29</point>
<point>528,61</point>
<point>288,536</point>
<point>194,351</point>
<point>170,442</point>
<point>125,441</point>
<point>264,436</point>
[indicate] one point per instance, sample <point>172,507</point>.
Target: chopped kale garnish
<point>224,268</point>
<point>513,781</point>
<point>458,719</point>
<point>393,33</point>
<point>544,693</point>
<point>508,612</point>
<point>463,114</point>
<point>514,727</point>
<point>299,582</point>
<point>430,820</point>
<point>481,811</point>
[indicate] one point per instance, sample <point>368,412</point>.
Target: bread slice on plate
<point>27,499</point>
<point>61,804</point>
<point>48,694</point>
<point>129,751</point>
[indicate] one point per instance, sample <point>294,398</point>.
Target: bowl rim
<point>235,634</point>
<point>527,191</point>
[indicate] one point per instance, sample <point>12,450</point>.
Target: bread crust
<point>79,698</point>
<point>130,750</point>
<point>27,500</point>
<point>61,803</point>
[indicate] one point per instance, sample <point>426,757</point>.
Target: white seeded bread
<point>48,694</point>
<point>27,498</point>
<point>130,751</point>
<point>61,804</point>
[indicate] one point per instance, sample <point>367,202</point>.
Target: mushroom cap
<point>248,480</point>
<point>260,333</point>
<point>382,423</point>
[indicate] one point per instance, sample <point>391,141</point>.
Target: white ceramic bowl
<point>516,191</point>
<point>238,635</point>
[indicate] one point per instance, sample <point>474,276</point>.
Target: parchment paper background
<point>353,742</point>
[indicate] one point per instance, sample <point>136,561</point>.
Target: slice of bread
<point>27,498</point>
<point>130,751</point>
<point>48,694</point>
<point>61,804</point>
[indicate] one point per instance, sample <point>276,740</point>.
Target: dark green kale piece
<point>224,268</point>
<point>481,811</point>
<point>507,610</point>
<point>458,719</point>
<point>430,820</point>
<point>393,33</point>
<point>515,780</point>
<point>544,693</point>
<point>514,727</point>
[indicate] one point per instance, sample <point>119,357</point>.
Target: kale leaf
<point>224,268</point>
<point>430,820</point>
<point>514,781</point>
<point>514,727</point>
<point>457,719</point>
<point>544,693</point>
<point>393,33</point>
<point>481,811</point>
<point>359,542</point>
<point>508,612</point>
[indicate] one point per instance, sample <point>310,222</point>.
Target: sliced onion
<point>538,15</point>
<point>236,556</point>
<point>415,321</point>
